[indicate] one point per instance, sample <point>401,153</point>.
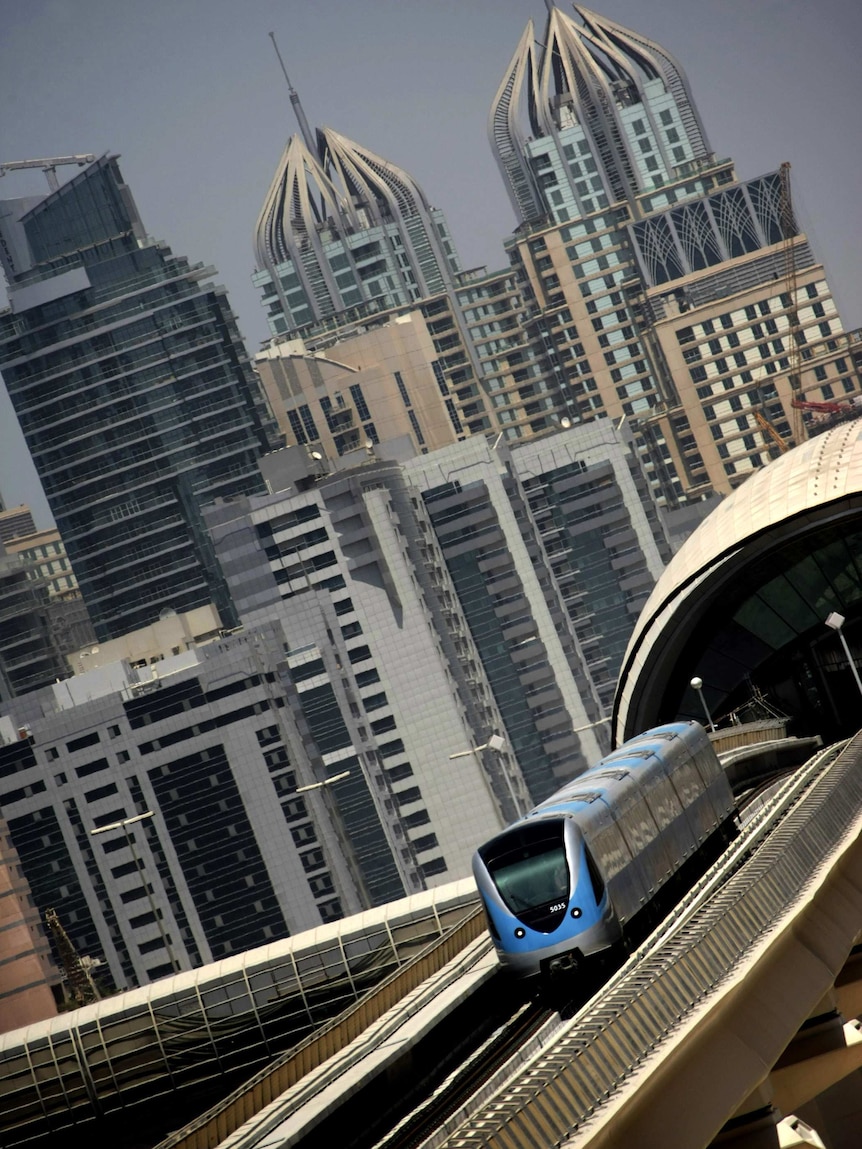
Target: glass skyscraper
<point>134,394</point>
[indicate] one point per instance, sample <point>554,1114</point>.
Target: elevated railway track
<point>779,914</point>
<point>751,938</point>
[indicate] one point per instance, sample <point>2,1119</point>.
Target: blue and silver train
<point>562,885</point>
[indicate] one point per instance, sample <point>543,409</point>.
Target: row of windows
<point>749,314</point>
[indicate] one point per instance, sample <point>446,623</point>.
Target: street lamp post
<point>124,825</point>
<point>697,684</point>
<point>497,744</point>
<point>591,725</point>
<point>835,622</point>
<point>319,785</point>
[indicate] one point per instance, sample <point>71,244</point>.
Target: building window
<point>402,390</point>
<point>417,430</point>
<point>359,399</point>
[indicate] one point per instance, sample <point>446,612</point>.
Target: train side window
<point>596,879</point>
<point>610,847</point>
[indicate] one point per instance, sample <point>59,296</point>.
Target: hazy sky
<point>189,93</point>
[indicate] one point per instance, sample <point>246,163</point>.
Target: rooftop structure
<point>343,230</point>
<point>15,522</point>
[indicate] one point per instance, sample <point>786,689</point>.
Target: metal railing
<point>789,841</point>
<point>287,1071</point>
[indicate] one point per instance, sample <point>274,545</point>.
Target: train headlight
<point>519,933</point>
<point>576,911</point>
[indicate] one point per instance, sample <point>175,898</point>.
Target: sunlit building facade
<point>658,286</point>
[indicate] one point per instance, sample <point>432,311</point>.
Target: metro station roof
<point>743,603</point>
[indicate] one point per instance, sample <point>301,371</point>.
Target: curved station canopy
<point>743,604</point>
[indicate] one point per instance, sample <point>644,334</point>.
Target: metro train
<point>564,884</point>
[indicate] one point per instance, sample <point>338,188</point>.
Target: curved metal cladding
<point>565,880</point>
<point>508,141</point>
<point>653,56</point>
<point>752,585</point>
<point>585,84</point>
<point>325,211</point>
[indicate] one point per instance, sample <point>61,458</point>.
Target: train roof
<point>622,770</point>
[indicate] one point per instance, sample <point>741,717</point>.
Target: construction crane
<point>48,166</point>
<point>77,969</point>
<point>772,431</point>
<point>827,413</point>
<point>788,233</point>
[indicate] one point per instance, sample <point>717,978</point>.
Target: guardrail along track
<point>247,1101</point>
<point>696,949</point>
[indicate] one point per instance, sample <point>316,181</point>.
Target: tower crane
<point>788,232</point>
<point>768,427</point>
<point>77,969</point>
<point>48,166</point>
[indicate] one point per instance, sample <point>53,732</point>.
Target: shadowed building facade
<point>134,394</point>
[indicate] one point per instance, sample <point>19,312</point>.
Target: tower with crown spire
<point>349,250</point>
<point>344,233</point>
<point>658,287</point>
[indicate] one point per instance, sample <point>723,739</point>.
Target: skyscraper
<point>350,252</point>
<point>134,394</point>
<point>344,233</point>
<point>29,654</point>
<point>658,286</point>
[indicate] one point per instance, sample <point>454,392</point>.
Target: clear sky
<point>189,93</point>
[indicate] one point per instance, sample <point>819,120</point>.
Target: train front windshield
<point>531,870</point>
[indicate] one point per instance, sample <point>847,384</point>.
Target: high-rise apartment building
<point>356,271</point>
<point>134,394</point>
<point>345,234</point>
<point>603,534</point>
<point>211,741</point>
<point>659,287</point>
<point>475,568</point>
<point>30,656</point>
<point>43,557</point>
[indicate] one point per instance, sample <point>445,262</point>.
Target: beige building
<point>47,559</point>
<point>700,366</point>
<point>15,522</point>
<point>171,635</point>
<point>404,374</point>
<point>732,360</point>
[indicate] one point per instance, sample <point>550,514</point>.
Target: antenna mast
<point>297,106</point>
